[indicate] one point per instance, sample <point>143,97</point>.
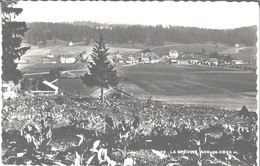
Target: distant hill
<point>149,35</point>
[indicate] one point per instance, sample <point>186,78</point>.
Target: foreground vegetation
<point>64,130</point>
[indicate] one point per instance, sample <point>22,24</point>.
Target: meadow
<point>46,67</point>
<point>192,84</point>
<point>189,79</point>
<point>75,86</point>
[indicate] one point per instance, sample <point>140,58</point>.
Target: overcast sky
<point>217,15</point>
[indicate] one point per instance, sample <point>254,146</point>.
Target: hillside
<point>246,53</point>
<point>192,48</point>
<point>150,35</point>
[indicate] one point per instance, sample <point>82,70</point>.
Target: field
<point>57,50</point>
<point>46,67</point>
<point>75,86</point>
<point>192,84</point>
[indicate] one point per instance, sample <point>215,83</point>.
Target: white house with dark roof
<point>212,61</point>
<point>173,54</point>
<point>71,44</point>
<point>67,59</point>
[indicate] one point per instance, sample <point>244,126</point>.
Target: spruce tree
<point>13,33</point>
<point>101,73</point>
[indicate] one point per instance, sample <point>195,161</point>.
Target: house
<point>164,59</point>
<point>173,54</point>
<point>143,52</point>
<point>238,62</point>
<point>145,60</point>
<point>150,57</point>
<point>50,56</point>
<point>183,62</point>
<point>67,59</point>
<point>211,61</point>
<point>155,61</point>
<point>154,58</point>
<point>9,90</point>
<point>173,60</point>
<point>47,60</point>
<point>129,60</point>
<point>121,60</point>
<point>71,44</point>
<point>116,57</point>
<point>196,61</point>
<point>185,58</point>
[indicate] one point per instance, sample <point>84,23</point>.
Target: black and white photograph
<point>102,83</point>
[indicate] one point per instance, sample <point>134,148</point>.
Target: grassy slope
<point>183,80</point>
<point>192,85</point>
<point>75,86</point>
<point>46,67</point>
<point>194,48</point>
<point>248,53</point>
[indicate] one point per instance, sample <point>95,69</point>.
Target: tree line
<point>150,35</point>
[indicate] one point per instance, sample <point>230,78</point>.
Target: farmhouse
<point>121,60</point>
<point>183,62</point>
<point>145,60</point>
<point>211,61</point>
<point>173,54</point>
<point>165,59</point>
<point>196,61</point>
<point>154,58</point>
<point>47,60</point>
<point>67,59</point>
<point>173,60</point>
<point>9,89</point>
<point>128,60</point>
<point>71,44</point>
<point>150,57</point>
<point>184,59</point>
<point>145,51</point>
<point>50,56</point>
<point>238,62</point>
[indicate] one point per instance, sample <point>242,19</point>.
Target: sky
<point>214,15</point>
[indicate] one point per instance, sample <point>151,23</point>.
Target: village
<point>147,56</point>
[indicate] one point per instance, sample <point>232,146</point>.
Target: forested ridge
<point>150,35</point>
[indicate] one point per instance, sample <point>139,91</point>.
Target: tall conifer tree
<point>13,33</point>
<point>101,72</point>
